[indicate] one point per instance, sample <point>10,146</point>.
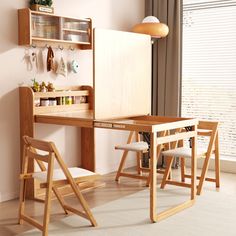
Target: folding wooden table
<point>120,100</point>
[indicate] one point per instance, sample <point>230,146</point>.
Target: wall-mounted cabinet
<point>37,28</point>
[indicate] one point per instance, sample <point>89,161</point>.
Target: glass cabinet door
<point>45,26</point>
<point>75,30</point>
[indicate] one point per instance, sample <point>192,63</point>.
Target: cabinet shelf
<point>57,41</point>
<point>60,108</point>
<point>75,31</point>
<point>60,94</point>
<point>38,28</point>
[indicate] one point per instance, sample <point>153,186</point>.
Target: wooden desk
<point>151,124</point>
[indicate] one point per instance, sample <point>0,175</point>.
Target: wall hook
<point>60,47</point>
<point>71,48</point>
<point>33,45</point>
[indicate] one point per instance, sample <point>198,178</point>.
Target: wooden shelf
<point>31,98</point>
<point>60,94</point>
<point>60,108</point>
<point>40,29</point>
<point>58,41</point>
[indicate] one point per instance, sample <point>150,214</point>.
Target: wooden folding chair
<point>205,129</point>
<point>139,147</point>
<point>51,179</point>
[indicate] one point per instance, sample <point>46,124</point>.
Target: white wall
<point>120,15</point>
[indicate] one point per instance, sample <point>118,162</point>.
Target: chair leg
<point>84,205</point>
<point>170,174</point>
<point>60,199</point>
<point>203,174</point>
<point>22,200</point>
<point>138,155</point>
<point>47,206</point>
<point>159,148</point>
<point>121,166</point>
<point>47,209</point>
<point>217,162</point>
<point>139,162</point>
<point>169,161</point>
<point>124,156</point>
<point>23,184</point>
<point>182,166</point>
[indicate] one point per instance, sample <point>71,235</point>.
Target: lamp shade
<point>151,26</point>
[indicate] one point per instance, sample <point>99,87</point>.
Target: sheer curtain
<point>209,67</point>
<point>166,58</point>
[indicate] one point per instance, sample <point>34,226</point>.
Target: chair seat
<point>58,174</point>
<point>135,146</point>
<point>184,152</point>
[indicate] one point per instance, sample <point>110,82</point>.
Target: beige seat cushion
<point>135,146</point>
<point>58,174</point>
<point>183,152</point>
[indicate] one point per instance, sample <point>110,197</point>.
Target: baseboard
<point>8,196</point>
<point>226,165</point>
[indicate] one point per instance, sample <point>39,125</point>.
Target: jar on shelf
<point>76,100</point>
<point>83,99</point>
<point>44,102</point>
<point>52,102</point>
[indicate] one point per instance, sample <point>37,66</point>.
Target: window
<point>209,66</point>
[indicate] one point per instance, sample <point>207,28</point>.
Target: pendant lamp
<point>152,26</point>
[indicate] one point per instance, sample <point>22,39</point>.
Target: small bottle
<point>68,100</point>
<point>63,100</point>
<point>59,100</point>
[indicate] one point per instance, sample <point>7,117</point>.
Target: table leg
<point>153,162</point>
<point>194,166</point>
<point>88,149</point>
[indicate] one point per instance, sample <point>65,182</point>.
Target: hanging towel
<point>50,56</point>
<point>62,68</point>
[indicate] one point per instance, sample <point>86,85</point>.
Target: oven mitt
<point>50,56</point>
<point>62,68</point>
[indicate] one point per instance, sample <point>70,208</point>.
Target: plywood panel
<point>122,74</point>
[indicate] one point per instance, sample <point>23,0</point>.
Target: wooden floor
<point>95,197</point>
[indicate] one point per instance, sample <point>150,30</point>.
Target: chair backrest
<point>32,145</point>
<point>208,129</point>
<point>30,150</point>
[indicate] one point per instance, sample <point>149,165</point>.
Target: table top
<point>145,123</point>
<point>82,118</point>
